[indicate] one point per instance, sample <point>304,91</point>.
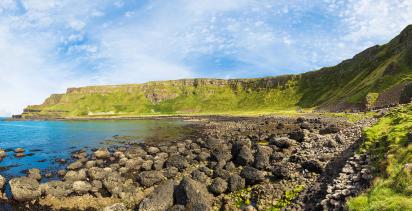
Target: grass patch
<point>391,155</point>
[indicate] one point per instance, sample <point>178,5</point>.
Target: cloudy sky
<point>49,45</point>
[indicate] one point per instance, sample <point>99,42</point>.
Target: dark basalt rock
<point>236,183</point>
<point>218,186</point>
<point>160,199</point>
<point>297,135</point>
<point>280,172</point>
<point>245,156</point>
<point>150,178</point>
<point>313,166</point>
<point>252,176</point>
<point>329,129</point>
<point>177,161</point>
<point>262,157</point>
<point>193,195</point>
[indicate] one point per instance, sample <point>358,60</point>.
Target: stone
<point>81,187</point>
<point>313,166</point>
<point>329,129</point>
<point>282,142</point>
<point>25,189</point>
<point>102,153</point>
<point>150,178</point>
<point>135,152</point>
<point>153,150</point>
<point>75,165</point>
<point>262,157</point>
<point>160,199</point>
<point>244,157</point>
<point>75,175</point>
<point>298,135</point>
<point>134,163</point>
<point>147,165</point>
<point>177,161</point>
<point>236,183</point>
<point>221,154</point>
<point>213,143</point>
<point>34,174</point>
<point>2,182</point>
<point>203,156</point>
<point>116,207</point>
<point>90,163</point>
<point>19,150</point>
<point>218,186</point>
<point>280,172</point>
<point>199,176</point>
<point>171,172</point>
<point>96,173</point>
<point>19,155</point>
<point>3,154</point>
<point>193,195</point>
<point>57,188</point>
<point>252,176</point>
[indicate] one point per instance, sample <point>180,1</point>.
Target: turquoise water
<point>45,141</point>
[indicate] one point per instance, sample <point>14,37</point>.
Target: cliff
<point>379,76</point>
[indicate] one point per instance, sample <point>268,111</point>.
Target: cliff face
<point>378,77</point>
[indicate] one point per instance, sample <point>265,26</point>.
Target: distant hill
<point>380,76</point>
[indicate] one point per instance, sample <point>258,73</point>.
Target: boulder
<point>282,142</point>
<point>34,174</point>
<point>280,171</point>
<point>57,188</point>
<point>97,173</point>
<point>298,135</point>
<point>329,129</point>
<point>193,195</point>
<point>218,186</point>
<point>102,153</point>
<point>75,175</point>
<point>3,154</point>
<point>75,165</point>
<point>135,152</point>
<point>25,189</point>
<point>252,175</point>
<point>150,178</point>
<point>153,150</point>
<point>147,165</point>
<point>81,187</point>
<point>19,150</point>
<point>199,176</point>
<point>160,199</point>
<point>262,157</point>
<point>244,157</point>
<point>177,161</point>
<point>221,153</point>
<point>213,143</point>
<point>236,183</point>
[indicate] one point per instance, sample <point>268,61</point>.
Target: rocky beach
<point>230,163</point>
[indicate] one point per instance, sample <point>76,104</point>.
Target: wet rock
<point>34,174</point>
<point>252,175</point>
<point>313,166</point>
<point>61,173</point>
<point>57,188</point>
<point>160,199</point>
<point>81,187</point>
<point>116,207</point>
<point>19,150</point>
<point>262,157</point>
<point>19,155</point>
<point>102,153</point>
<point>193,195</point>
<point>75,165</point>
<point>218,186</point>
<point>245,156</point>
<point>236,183</point>
<point>24,189</point>
<point>150,178</point>
<point>75,175</point>
<point>90,163</point>
<point>177,161</point>
<point>3,154</point>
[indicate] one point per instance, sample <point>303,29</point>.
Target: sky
<point>47,46</point>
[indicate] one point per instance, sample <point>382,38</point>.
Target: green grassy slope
<point>371,73</point>
<point>391,152</point>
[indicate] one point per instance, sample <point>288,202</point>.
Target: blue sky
<point>49,45</point>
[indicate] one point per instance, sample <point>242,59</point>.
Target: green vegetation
<point>391,153</point>
<point>287,198</point>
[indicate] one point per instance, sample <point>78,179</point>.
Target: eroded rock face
<point>25,189</point>
<point>193,195</point>
<point>160,199</point>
